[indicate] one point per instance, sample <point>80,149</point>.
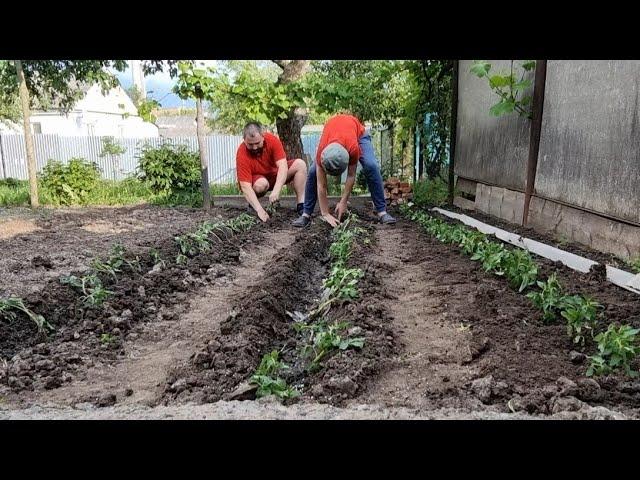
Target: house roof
<point>178,125</point>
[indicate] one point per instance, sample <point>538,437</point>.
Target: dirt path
<point>135,379</point>
<point>422,287</point>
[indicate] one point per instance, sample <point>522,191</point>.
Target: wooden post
<point>453,128</point>
<point>534,137</point>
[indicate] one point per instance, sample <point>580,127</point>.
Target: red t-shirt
<point>263,164</point>
<point>345,130</point>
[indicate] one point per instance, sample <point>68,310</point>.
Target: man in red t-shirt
<point>344,142</point>
<point>262,165</point>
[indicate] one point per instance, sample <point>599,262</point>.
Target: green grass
<point>14,196</point>
<point>15,193</point>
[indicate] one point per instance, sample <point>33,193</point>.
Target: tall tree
<point>36,80</point>
<point>39,81</point>
<point>197,83</point>
<point>290,125</point>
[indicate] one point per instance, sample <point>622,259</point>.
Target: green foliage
<point>248,90</point>
<point>94,293</point>
<point>10,109</point>
<point>471,241</point>
<point>634,265</point>
<point>146,108</point>
<point>520,269</point>
<point>108,339</point>
<point>429,93</point>
<point>266,377</point>
<point>342,282</point>
<point>430,192</point>
<point>58,79</point>
<point>169,169</point>
<point>508,87</point>
<point>617,348</point>
<point>372,90</point>
<point>581,316</point>
<point>492,255</point>
<point>270,364</point>
<point>71,183</point>
<point>114,263</point>
<point>8,305</point>
<point>321,338</point>
<point>110,146</point>
<point>192,243</point>
<point>549,299</point>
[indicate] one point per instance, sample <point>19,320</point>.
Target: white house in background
<point>113,114</point>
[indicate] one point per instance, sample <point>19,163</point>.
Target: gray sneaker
<point>301,221</point>
<point>387,219</point>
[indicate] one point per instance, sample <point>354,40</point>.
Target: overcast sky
<point>159,86</point>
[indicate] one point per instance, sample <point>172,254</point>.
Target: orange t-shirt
<point>264,164</point>
<point>345,130</point>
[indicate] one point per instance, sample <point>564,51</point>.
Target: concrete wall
<point>489,149</point>
<point>590,142</point>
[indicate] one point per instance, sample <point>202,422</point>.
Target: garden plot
<point>420,318</point>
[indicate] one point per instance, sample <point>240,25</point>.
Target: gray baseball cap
<point>335,159</point>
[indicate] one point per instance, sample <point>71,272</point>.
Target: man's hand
<point>341,209</point>
<point>331,220</point>
<point>274,197</point>
<point>264,216</point>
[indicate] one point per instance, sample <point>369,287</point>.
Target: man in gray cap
<point>343,143</point>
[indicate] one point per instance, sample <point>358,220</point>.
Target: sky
<point>159,86</point>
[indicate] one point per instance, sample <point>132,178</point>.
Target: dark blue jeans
<point>371,173</point>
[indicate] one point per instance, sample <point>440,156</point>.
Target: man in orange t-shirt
<point>344,142</point>
<point>262,165</point>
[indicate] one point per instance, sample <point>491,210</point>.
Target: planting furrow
<point>93,313</point>
<point>529,360</point>
<point>138,377</point>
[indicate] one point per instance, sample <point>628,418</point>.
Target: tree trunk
<point>289,131</point>
<point>290,128</point>
<point>28,138</point>
<point>206,196</point>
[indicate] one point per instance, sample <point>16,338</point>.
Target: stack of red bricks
<point>397,192</point>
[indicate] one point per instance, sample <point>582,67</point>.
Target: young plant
<point>115,262</point>
<point>581,315</point>
<point>157,260</point>
<point>14,303</point>
<point>471,240</point>
<point>342,282</point>
<point>617,348</point>
<point>549,299</point>
<point>91,286</point>
<point>241,223</point>
<point>107,339</point>
<point>270,386</point>
<point>324,338</point>
<point>266,377</point>
<point>492,255</point>
<point>520,269</point>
